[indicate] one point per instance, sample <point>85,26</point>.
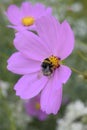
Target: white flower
<point>76,7</point>
<point>4,87</point>
<point>73,117</point>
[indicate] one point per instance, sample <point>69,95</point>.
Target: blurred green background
<point>12,113</point>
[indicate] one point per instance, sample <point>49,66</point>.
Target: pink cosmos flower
<point>25,16</point>
<point>39,60</point>
<point>32,108</point>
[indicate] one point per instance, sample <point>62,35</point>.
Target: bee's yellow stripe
<point>46,61</point>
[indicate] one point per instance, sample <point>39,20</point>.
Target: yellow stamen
<point>54,60</point>
<point>28,21</point>
<point>37,106</point>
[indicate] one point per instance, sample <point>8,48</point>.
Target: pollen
<point>28,21</point>
<point>37,106</point>
<point>55,61</point>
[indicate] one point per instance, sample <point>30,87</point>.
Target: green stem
<point>82,56</point>
<point>77,71</point>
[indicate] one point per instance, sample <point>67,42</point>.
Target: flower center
<point>37,106</point>
<point>28,21</point>
<point>49,65</point>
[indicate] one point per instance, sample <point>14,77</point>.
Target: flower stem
<point>82,56</point>
<point>75,70</point>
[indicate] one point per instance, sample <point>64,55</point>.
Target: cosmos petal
<point>30,85</point>
<point>32,110</point>
<point>66,41</point>
<point>17,28</point>
<point>49,11</point>
<point>31,45</point>
<point>13,14</point>
<point>41,10</point>
<point>51,97</point>
<point>58,37</point>
<point>35,11</point>
<point>38,10</point>
<point>26,9</point>
<point>42,115</point>
<point>48,29</point>
<point>63,73</point>
<point>19,64</point>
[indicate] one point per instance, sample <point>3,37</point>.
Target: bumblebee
<point>50,64</point>
<point>47,67</point>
